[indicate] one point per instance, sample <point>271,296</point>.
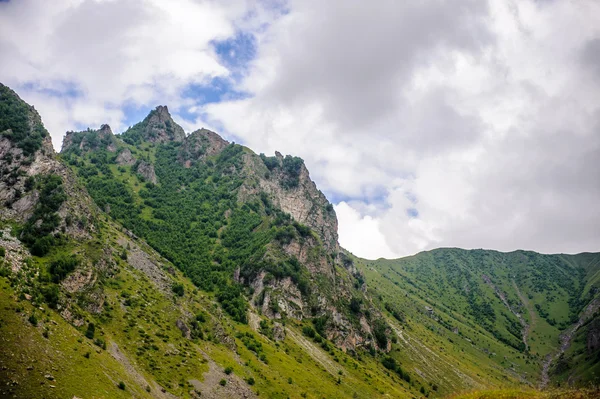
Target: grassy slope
<point>141,321</point>
<point>441,280</point>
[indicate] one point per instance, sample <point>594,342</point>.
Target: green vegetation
<point>183,217</point>
<point>449,299</point>
<point>37,232</point>
<point>156,297</point>
<point>16,116</point>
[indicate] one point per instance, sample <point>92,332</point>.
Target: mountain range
<point>160,264</point>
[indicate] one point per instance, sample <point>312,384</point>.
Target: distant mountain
<point>162,264</point>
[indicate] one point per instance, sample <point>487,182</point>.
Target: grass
<point>441,280</point>
<point>529,394</point>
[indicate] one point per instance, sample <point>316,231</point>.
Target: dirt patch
<point>211,387</point>
<point>140,260</point>
<point>156,391</point>
<point>317,354</point>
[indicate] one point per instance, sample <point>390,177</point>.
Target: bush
<point>389,363</point>
<point>90,331</point>
<point>121,386</point>
<point>50,294</point>
<point>250,381</point>
<point>178,289</point>
<point>223,382</point>
<point>61,267</point>
<point>33,319</point>
<point>308,331</point>
<point>355,305</point>
<point>100,343</point>
<point>228,370</point>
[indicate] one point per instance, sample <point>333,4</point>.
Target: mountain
<point>162,264</point>
<point>509,315</point>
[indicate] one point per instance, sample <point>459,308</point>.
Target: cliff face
<point>292,190</point>
<point>296,273</point>
<point>157,127</point>
<point>90,140</point>
<point>22,189</point>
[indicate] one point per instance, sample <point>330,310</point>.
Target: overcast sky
<point>427,123</point>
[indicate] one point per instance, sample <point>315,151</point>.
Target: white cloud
<point>438,123</point>
<point>362,234</point>
<point>111,53</point>
<point>485,120</point>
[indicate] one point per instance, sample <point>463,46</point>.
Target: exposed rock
<point>142,259</point>
<point>211,388</point>
<point>303,201</point>
<point>185,330</point>
<point>125,157</point>
<point>21,199</point>
<point>90,140</point>
<point>278,332</point>
<point>147,171</point>
<point>159,127</point>
<point>16,253</point>
<point>201,144</point>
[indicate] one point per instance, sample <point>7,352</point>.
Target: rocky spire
<point>158,127</point>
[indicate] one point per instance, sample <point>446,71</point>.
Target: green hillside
<point>503,312</point>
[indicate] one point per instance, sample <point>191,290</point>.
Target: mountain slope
<point>235,223</point>
<point>88,308</point>
<point>160,264</point>
<point>503,312</point>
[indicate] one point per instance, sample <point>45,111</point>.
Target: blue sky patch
<point>413,213</point>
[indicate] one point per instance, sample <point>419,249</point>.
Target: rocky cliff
<point>297,271</point>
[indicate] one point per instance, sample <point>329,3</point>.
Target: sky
<point>464,123</point>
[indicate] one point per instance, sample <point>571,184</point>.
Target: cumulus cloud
<point>95,57</point>
<point>434,123</point>
<point>471,124</point>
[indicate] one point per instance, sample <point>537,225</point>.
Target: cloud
<point>111,54</point>
<point>437,123</point>
<point>475,127</point>
<point>362,233</point>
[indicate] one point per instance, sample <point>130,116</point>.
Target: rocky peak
<point>287,182</point>
<point>201,144</point>
<point>26,151</point>
<point>105,129</point>
<point>157,127</point>
<point>90,140</point>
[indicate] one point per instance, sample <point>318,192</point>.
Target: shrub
<point>61,267</point>
<point>223,382</point>
<point>100,343</point>
<point>250,381</point>
<point>389,363</point>
<point>308,331</point>
<point>50,294</point>
<point>355,305</point>
<point>178,289</point>
<point>228,370</point>
<point>90,331</point>
<point>121,385</point>
<point>33,319</point>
